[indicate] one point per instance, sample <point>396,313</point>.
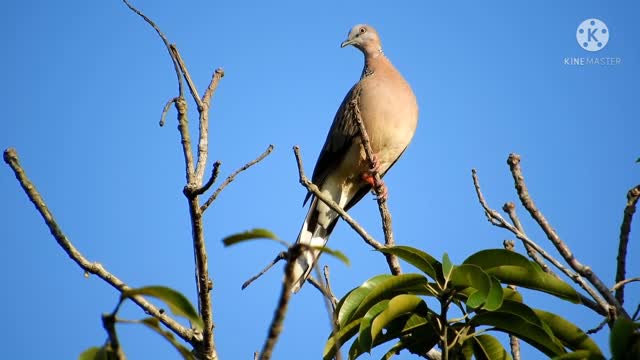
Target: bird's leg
<point>370,178</point>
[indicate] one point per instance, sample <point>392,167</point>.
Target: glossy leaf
<point>569,334</point>
<point>518,319</point>
<point>418,258</point>
<point>154,324</point>
<point>350,302</point>
<point>177,303</point>
<point>487,347</point>
<point>495,295</point>
<point>447,267</point>
<point>577,355</point>
<point>364,333</point>
<point>253,234</point>
<point>387,289</point>
<point>512,268</point>
<point>472,276</point>
<point>398,306</point>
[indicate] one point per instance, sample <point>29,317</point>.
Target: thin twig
<point>165,110</point>
<point>624,282</point>
<point>327,284</point>
<point>625,228</point>
<point>11,158</point>
<point>552,235</point>
<point>599,327</point>
<point>203,109</point>
<point>285,295</point>
<point>330,307</point>
<point>183,68</point>
<point>311,187</point>
<point>514,342</point>
<point>232,177</point>
<point>215,171</point>
<point>496,219</point>
<point>280,256</point>
<point>380,190</point>
<point>510,209</point>
<point>164,40</point>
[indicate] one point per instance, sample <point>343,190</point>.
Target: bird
<point>389,113</point>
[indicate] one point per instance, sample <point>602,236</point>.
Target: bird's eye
<point>363,30</point>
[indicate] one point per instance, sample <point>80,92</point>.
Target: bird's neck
<point>372,61</point>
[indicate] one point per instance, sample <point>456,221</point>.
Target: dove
<point>389,112</point>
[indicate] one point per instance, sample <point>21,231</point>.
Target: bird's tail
<point>315,232</point>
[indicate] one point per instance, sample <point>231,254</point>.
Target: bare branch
<point>232,177</point>
<point>203,108</point>
<point>280,256</point>
<point>164,40</point>
<point>552,235</point>
<point>514,342</point>
<point>496,219</point>
<point>624,282</point>
<point>380,190</point>
<point>215,171</point>
<point>311,187</point>
<point>285,295</point>
<point>165,110</point>
<point>183,68</point>
<point>11,158</point>
<point>625,229</point>
<point>510,209</point>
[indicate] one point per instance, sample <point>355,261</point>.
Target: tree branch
<point>203,109</point>
<point>11,158</point>
<point>285,295</point>
<point>311,187</point>
<point>552,235</point>
<point>232,177</point>
<point>625,228</point>
<point>379,188</point>
<point>496,219</point>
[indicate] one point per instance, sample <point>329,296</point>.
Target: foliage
<point>387,307</point>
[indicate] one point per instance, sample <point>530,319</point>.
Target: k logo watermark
<point>592,35</point>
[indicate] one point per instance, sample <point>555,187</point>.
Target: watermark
<point>592,35</point>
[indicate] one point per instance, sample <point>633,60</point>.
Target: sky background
<point>85,82</point>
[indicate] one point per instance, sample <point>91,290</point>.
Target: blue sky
<point>85,82</point>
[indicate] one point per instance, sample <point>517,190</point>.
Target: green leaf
<point>252,235</point>
<point>389,288</point>
<point>418,258</point>
<point>624,340</point>
<point>364,333</point>
<point>495,295</point>
<point>520,320</point>
<point>512,295</point>
<point>472,276</point>
<point>569,334</point>
<point>400,305</point>
<point>350,302</point>
<point>93,353</point>
<point>335,253</point>
<point>447,268</point>
<point>512,268</point>
<point>487,347</point>
<point>177,303</point>
<point>343,334</point>
<point>577,355</point>
<point>154,324</point>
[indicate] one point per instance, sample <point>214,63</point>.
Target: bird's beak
<point>346,43</point>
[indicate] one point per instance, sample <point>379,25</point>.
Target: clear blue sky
<point>85,82</point>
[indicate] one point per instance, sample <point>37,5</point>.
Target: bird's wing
<point>344,130</point>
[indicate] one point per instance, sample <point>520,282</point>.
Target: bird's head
<point>365,38</point>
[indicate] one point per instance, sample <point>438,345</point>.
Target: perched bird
<point>389,112</point>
